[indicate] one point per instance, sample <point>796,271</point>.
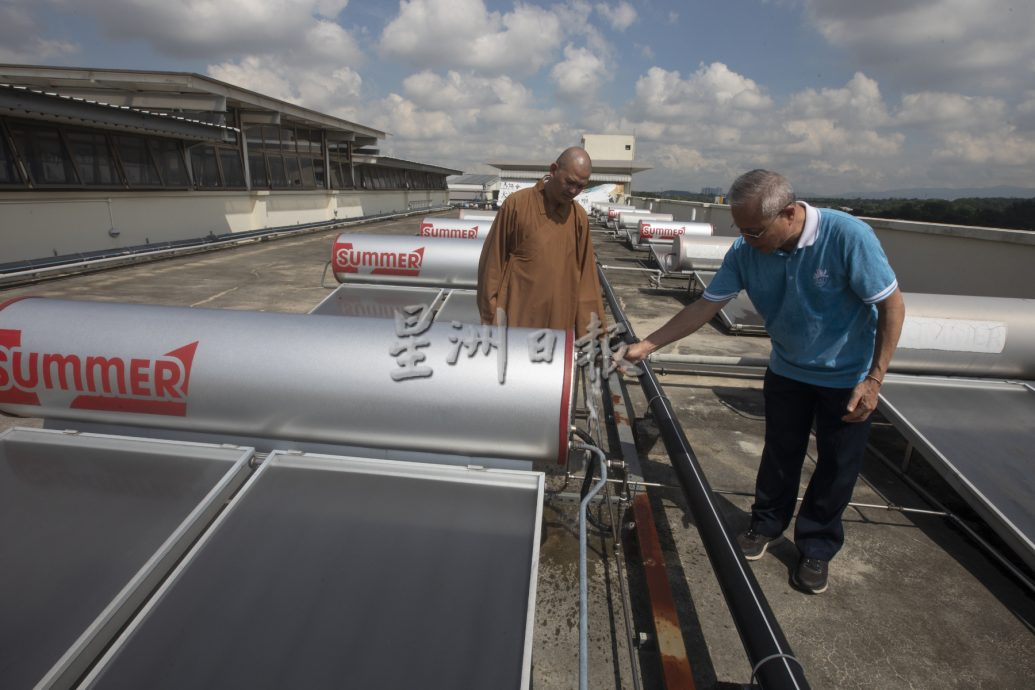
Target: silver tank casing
<point>406,260</point>
<point>697,253</point>
<point>960,335</point>
<point>320,379</point>
<point>468,214</point>
<point>632,219</point>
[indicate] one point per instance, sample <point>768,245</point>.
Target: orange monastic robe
<point>540,270</point>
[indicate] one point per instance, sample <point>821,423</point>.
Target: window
<point>308,174</point>
<point>294,174</point>
<point>319,174</point>
<point>45,155</point>
<point>92,158</point>
<point>206,169</point>
<point>168,156</point>
<point>308,144</point>
<point>233,171</point>
<point>278,177</point>
<point>257,169</point>
<point>9,173</point>
<point>341,175</point>
<point>137,163</point>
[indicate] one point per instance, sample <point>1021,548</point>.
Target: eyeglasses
<point>755,233</point>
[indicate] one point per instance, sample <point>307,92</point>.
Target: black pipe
<point>773,663</point>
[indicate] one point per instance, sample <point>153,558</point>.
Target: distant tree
<point>991,212</point>
<point>1016,214</point>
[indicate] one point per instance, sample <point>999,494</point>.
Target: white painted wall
<point>610,147</point>
<point>35,225</point>
<point>927,257</point>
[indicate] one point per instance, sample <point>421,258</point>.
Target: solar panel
<point>341,572</point>
<point>993,469</point>
<point>739,316</point>
<point>88,525</point>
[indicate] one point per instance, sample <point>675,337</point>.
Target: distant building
<point>610,147</point>
<point>713,191</point>
<point>613,166</point>
<point>473,189</point>
<point>101,160</point>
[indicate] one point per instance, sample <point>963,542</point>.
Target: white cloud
<point>464,120</point>
<point>620,16</point>
<point>458,92</point>
<point>716,123</point>
<point>579,75</point>
<point>405,119</point>
<point>712,91</point>
<point>859,103</point>
<point>1024,119</point>
<point>463,34</point>
<point>934,44</point>
<point>211,29</point>
<point>20,37</point>
<point>942,89</point>
<point>332,91</point>
<point>937,108</point>
<point>825,138</point>
<point>1001,147</point>
<point>318,70</point>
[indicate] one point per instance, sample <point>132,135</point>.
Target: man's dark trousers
<point>790,408</point>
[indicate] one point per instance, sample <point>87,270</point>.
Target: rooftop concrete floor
<point>912,602</point>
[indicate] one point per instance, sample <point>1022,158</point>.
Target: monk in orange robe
<point>538,263</point>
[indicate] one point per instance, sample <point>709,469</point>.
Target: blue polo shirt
<point>818,300</point>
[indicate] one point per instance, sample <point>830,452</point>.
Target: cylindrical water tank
<point>615,221</point>
<point>406,260</point>
<point>317,379</point>
<point>659,230</point>
<point>463,229</point>
<point>694,253</point>
<point>468,214</point>
<point>967,336</point>
<point>631,219</point>
<point>614,209</point>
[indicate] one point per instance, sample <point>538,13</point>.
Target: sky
<point>841,96</point>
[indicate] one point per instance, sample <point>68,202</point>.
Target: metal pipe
<point>706,365</point>
<point>638,269</point>
<point>890,507</point>
<point>709,359</point>
<point>772,660</point>
<point>583,603</point>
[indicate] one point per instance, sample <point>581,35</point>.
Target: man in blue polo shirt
<point>834,313</point>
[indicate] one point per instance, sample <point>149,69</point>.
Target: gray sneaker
<point>753,544</point>
<point>811,575</point>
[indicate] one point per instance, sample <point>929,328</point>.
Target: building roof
<point>405,164</point>
<point>148,100</point>
<point>472,179</point>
